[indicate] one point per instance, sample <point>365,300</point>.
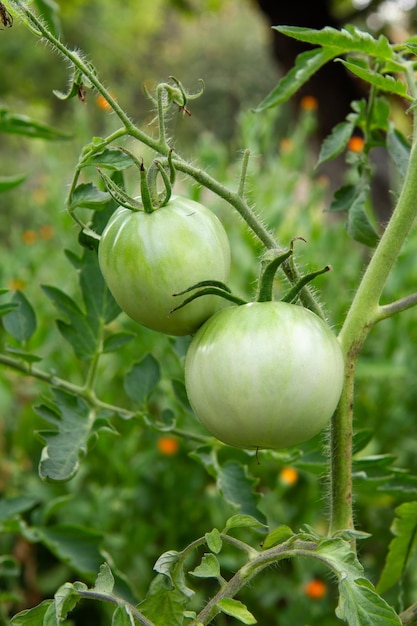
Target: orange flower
<point>167,445</point>
<point>309,103</point>
<point>102,103</point>
<point>46,232</point>
<point>286,145</point>
<point>315,589</point>
<point>29,237</point>
<point>16,284</point>
<point>288,476</point>
<point>356,144</point>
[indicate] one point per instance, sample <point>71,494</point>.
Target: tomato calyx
<point>206,288</point>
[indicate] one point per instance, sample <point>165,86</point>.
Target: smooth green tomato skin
<point>264,375</point>
<point>145,258</point>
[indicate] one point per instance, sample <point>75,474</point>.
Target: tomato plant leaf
<point>105,579</point>
<point>32,617</point>
<point>402,546</point>
<point>9,182</point>
<point>78,332</point>
<point>385,83</point>
<point>306,64</point>
<point>20,322</point>
<point>100,306</point>
<point>68,442</point>
<point>360,605</point>
<point>242,521</point>
<point>77,546</point>
<point>89,196</point>
<point>141,380</point>
<point>123,617</point>
<point>9,507</point>
<point>238,488</point>
<point>114,342</point>
<point>164,603</point>
<point>399,151</point>
<point>359,225</point>
<point>49,10</point>
<point>111,158</point>
<point>348,39</point>
<point>208,568</point>
<point>236,609</point>
<point>214,541</point>
<point>277,536</point>
<point>24,125</point>
<point>66,599</point>
<point>336,142</point>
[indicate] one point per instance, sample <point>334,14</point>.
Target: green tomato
<point>264,375</point>
<point>145,258</point>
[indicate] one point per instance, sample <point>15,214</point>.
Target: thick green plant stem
<point>364,312</point>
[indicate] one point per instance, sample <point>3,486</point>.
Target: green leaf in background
<point>100,306</point>
<point>24,125</point>
<point>399,151</point>
<point>277,536</point>
<point>238,488</point>
<point>78,332</point>
<point>141,380</point>
<point>32,617</point>
<point>114,342</point>
<point>9,182</point>
<point>24,356</point>
<point>359,225</point>
<point>65,445</point>
<point>88,196</point>
<point>335,143</point>
<point>306,64</point>
<point>49,11</point>
<point>236,609</point>
<point>9,507</point>
<point>111,158</point>
<point>243,521</point>
<point>20,323</point>
<point>344,198</point>
<point>402,546</point>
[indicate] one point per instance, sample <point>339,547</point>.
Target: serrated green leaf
<point>338,139</point>
<point>141,380</point>
<point>236,609</point>
<point>277,536</point>
<point>78,331</point>
<point>88,196</point>
<point>238,488</point>
<point>110,158</point>
<point>21,322</point>
<point>383,83</point>
<point>32,617</point>
<point>208,568</point>
<point>214,541</point>
<point>164,604</point>
<point>78,547</point>
<point>100,306</point>
<point>68,443</point>
<point>348,39</point>
<point>360,605</point>
<point>306,64</point>
<point>105,580</point>
<point>24,125</point>
<point>402,546</point>
<point>114,342</point>
<point>9,182</point>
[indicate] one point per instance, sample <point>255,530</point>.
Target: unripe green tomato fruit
<point>145,258</point>
<point>264,375</point>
